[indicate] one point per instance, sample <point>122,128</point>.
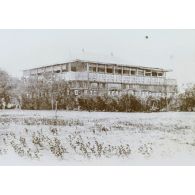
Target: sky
<point>170,49</point>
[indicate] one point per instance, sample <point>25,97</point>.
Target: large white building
<point>90,77</point>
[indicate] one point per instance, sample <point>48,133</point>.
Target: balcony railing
<point>171,82</point>
<point>111,78</point>
<point>131,79</point>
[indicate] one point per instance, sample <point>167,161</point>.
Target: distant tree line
<point>50,93</point>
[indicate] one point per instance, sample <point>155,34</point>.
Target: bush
<point>187,99</point>
<point>125,103</point>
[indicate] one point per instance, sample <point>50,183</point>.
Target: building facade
<point>91,78</point>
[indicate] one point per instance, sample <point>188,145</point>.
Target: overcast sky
<point>172,49</point>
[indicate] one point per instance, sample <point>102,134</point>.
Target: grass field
<point>96,138</point>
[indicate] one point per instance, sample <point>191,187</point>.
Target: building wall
<point>101,79</point>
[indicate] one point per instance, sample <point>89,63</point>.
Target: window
<point>141,72</point>
<point>73,67</point>
<point>85,92</point>
<point>160,74</point>
<point>92,68</point>
<point>133,72</point>
<point>80,67</point>
<point>109,70</point>
<point>101,69</point>
<point>126,71</point>
<point>57,71</point>
<point>85,84</point>
<point>154,74</point>
<point>94,85</point>
<point>147,73</point>
<point>118,70</point>
<point>102,85</point>
<point>125,86</point>
<point>64,68</point>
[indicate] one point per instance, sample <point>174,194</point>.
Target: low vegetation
<point>90,136</point>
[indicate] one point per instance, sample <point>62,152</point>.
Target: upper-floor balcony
<point>94,72</point>
<point>112,78</point>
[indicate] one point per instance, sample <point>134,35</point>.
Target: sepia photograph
<point>97,97</point>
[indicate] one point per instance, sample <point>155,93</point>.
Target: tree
<point>130,103</point>
<point>187,99</point>
<point>43,93</point>
<point>5,87</point>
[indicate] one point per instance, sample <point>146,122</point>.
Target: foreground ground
<point>96,138</point>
